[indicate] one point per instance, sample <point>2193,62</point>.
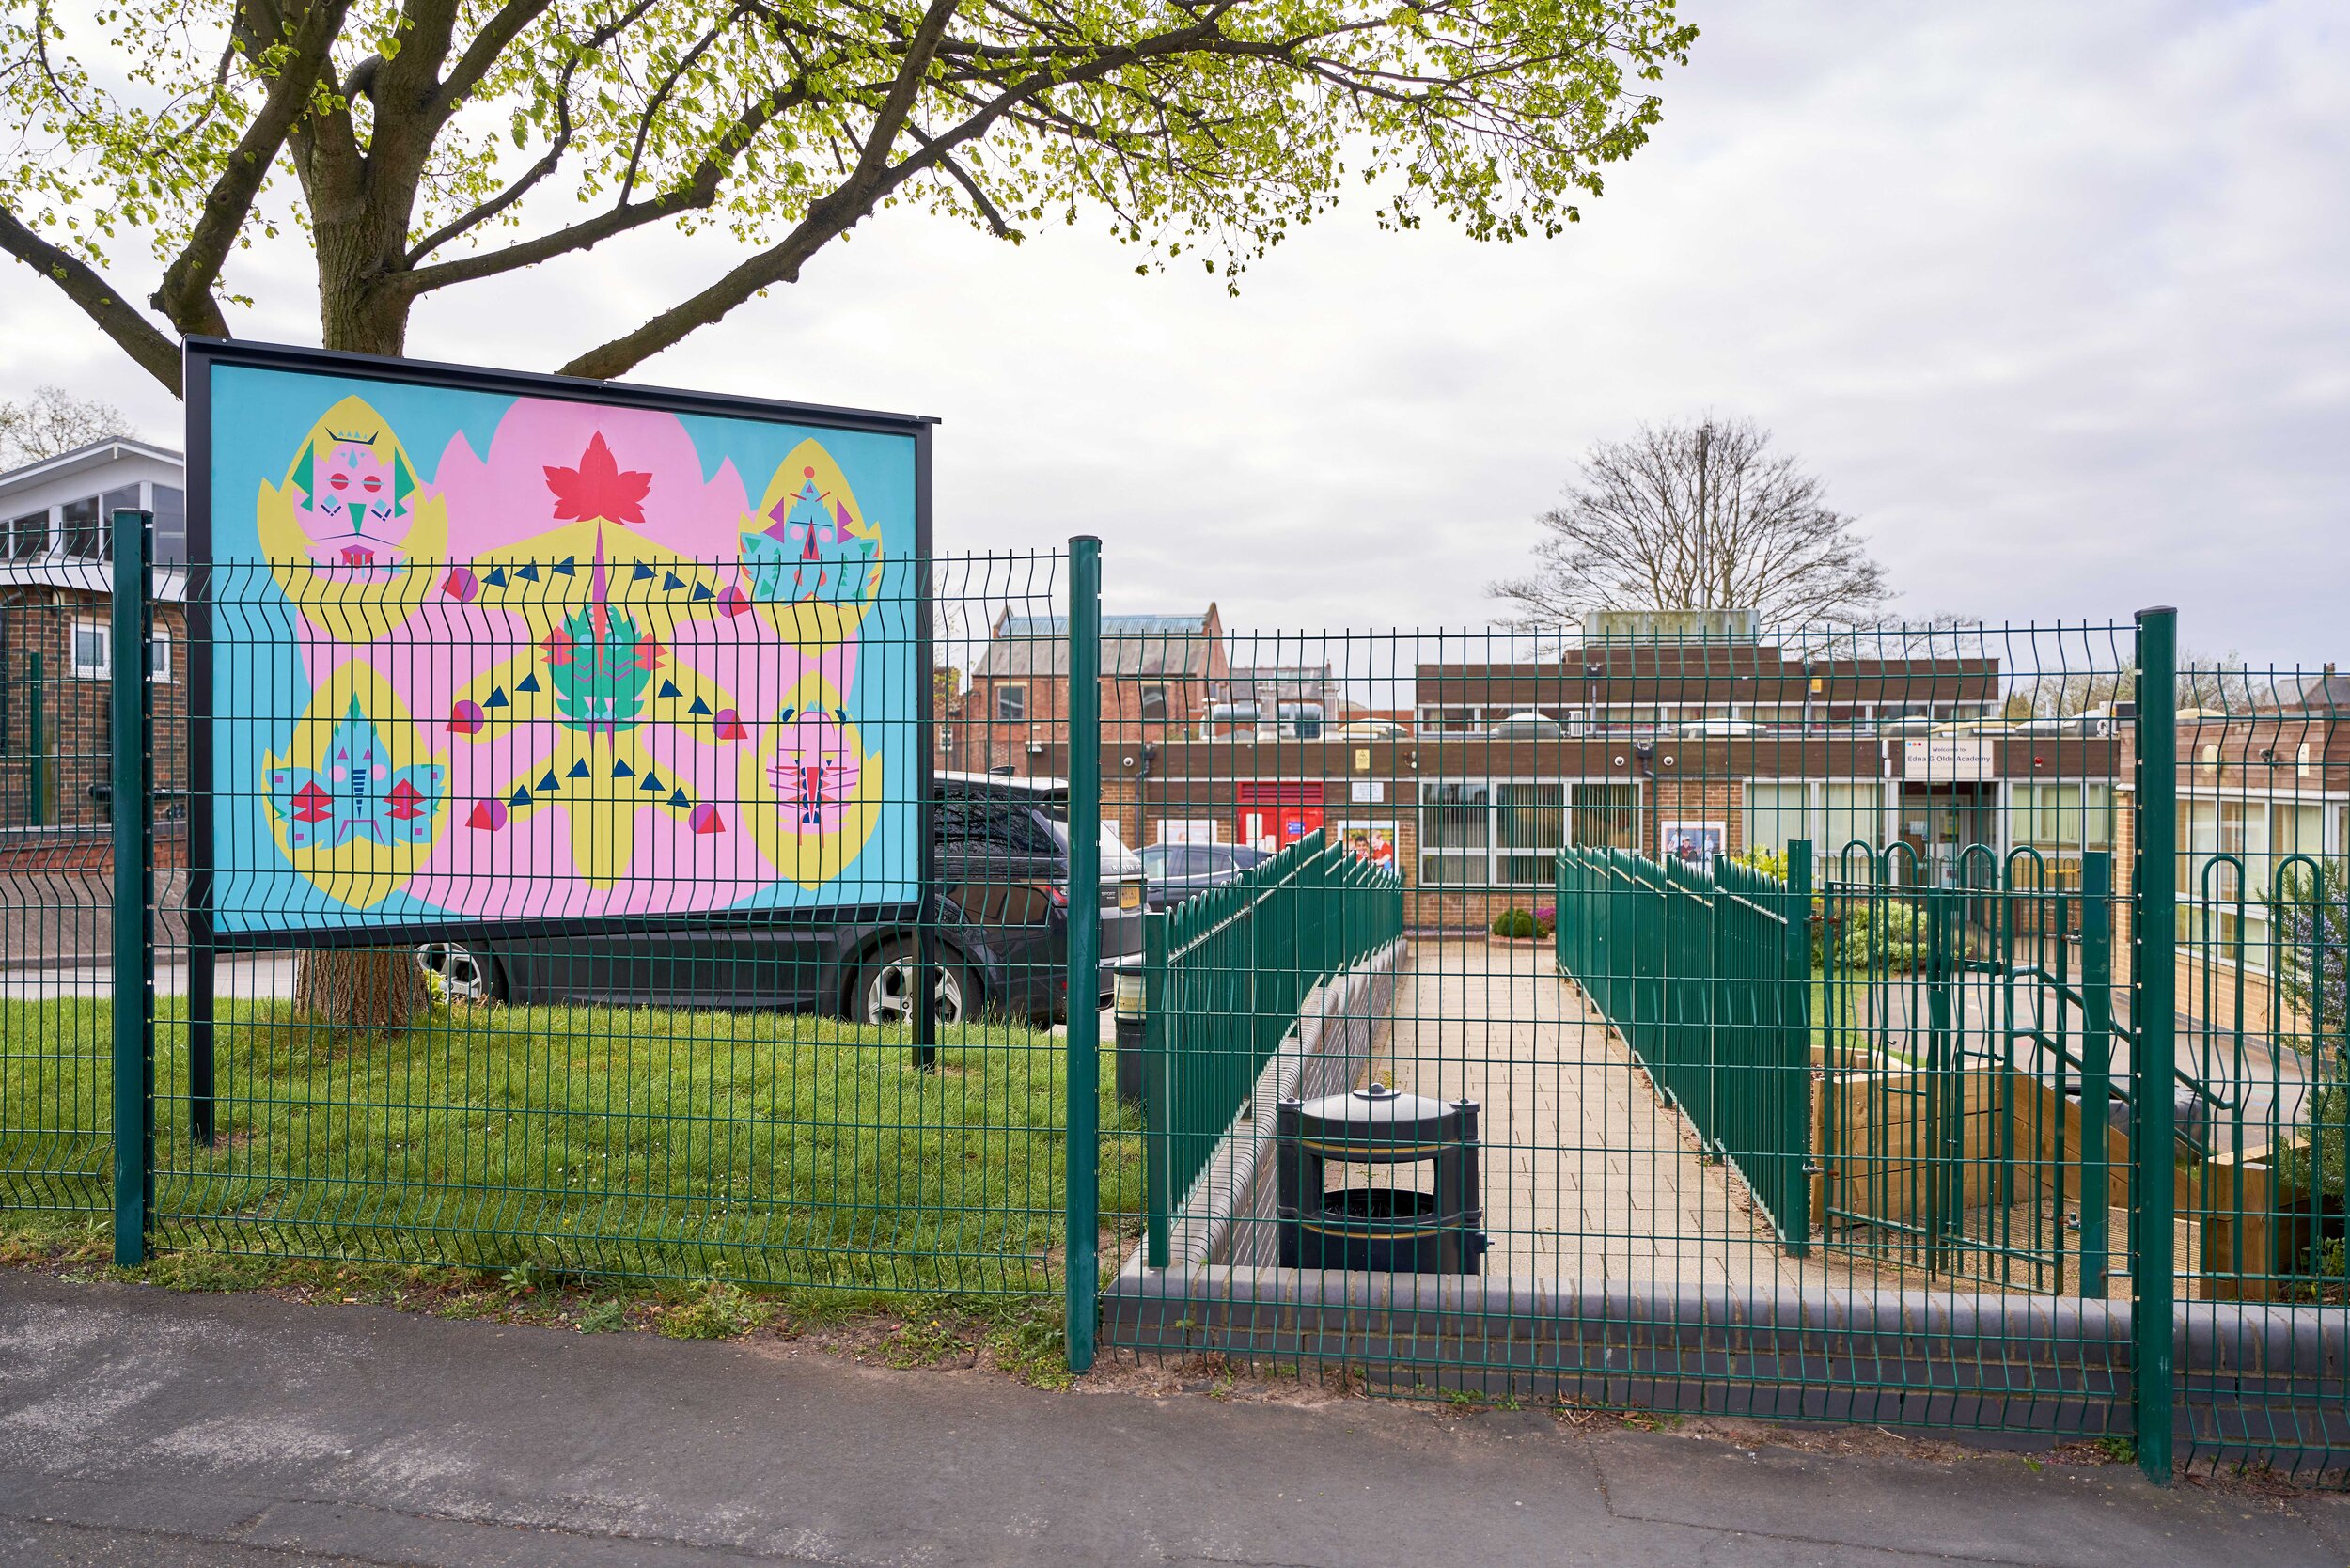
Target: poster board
<point>1373,841</point>
<point>1694,843</point>
<point>479,648</point>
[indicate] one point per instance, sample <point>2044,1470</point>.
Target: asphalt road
<point>139,1426</point>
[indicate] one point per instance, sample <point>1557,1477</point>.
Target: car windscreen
<point>1116,859</point>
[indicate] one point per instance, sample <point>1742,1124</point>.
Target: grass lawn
<point>581,1141</point>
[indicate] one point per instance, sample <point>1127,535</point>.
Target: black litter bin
<point>1398,1228</point>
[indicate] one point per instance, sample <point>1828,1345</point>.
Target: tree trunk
<point>360,988</point>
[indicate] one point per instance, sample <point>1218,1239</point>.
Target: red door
<point>1278,815</point>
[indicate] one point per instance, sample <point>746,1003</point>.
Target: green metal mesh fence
<point>1794,983</point>
<point>1794,1022</point>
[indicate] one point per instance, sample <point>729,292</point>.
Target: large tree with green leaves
<point>431,144</point>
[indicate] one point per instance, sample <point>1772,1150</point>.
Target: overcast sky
<point>2054,297</point>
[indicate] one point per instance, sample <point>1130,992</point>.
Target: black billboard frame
<point>201,355</point>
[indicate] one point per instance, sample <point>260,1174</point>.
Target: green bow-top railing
<point>1226,974</point>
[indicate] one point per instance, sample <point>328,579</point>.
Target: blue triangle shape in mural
<point>699,707</point>
<point>528,574</point>
<point>519,797</point>
<point>652,782</point>
<point>642,573</point>
<point>547,786</point>
<point>579,769</point>
<point>672,583</point>
<point>621,770</point>
<point>677,797</point>
<point>668,688</point>
<point>702,591</point>
<point>527,683</point>
<point>497,698</point>
<point>495,579</point>
<point>568,566</point>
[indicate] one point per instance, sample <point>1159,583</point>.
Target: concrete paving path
<point>142,1427</point>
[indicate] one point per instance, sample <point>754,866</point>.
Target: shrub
<point>1516,923</point>
<point>1896,929</point>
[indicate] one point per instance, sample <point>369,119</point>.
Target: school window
<point>158,658</point>
<point>28,536</point>
<point>1837,818</point>
<point>1606,816</point>
<point>1154,705</point>
<point>125,499</point>
<point>1455,835</point>
<point>1011,704</point>
<point>1773,815</point>
<point>2236,859</point>
<point>1532,823</point>
<point>80,529</point>
<point>1499,833</point>
<point>90,644</point>
<point>2062,818</point>
<point>171,522</point>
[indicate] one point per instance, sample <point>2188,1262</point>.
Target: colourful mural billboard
<point>486,647</point>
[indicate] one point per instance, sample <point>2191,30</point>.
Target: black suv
<point>999,931</point>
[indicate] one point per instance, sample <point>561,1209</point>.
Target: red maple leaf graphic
<point>597,488</point>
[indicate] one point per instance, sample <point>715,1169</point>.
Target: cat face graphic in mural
<point>814,770</point>
<point>355,496</point>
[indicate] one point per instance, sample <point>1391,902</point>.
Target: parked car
<point>1528,725</point>
<point>999,930</point>
<point>1369,730</point>
<point>1173,872</point>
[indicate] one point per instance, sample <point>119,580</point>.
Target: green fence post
<point>2154,1058</point>
<point>37,739</point>
<point>2097,1065</point>
<point>1794,1097</point>
<point>1085,945</point>
<point>1945,1086</point>
<point>134,873</point>
<point>1158,1103</point>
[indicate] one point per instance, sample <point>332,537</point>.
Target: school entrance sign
<point>489,648</point>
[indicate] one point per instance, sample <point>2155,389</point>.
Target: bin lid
<point>1382,1116</point>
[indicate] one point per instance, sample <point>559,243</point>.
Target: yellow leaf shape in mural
<point>811,562</point>
<point>811,792</point>
<point>357,802</point>
<point>353,535</point>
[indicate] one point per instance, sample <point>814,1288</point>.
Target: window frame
<point>1828,847</point>
<point>103,669</point>
<point>1018,691</point>
<point>92,528</point>
<point>17,533</point>
<point>1490,857</point>
<point>2213,927</point>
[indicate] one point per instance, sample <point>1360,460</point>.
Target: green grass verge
<point>582,1141</point>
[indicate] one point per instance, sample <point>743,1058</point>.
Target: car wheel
<point>885,995</point>
<point>466,974</point>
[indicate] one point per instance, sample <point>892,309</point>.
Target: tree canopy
<point>429,144</point>
<point>1698,516</point>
